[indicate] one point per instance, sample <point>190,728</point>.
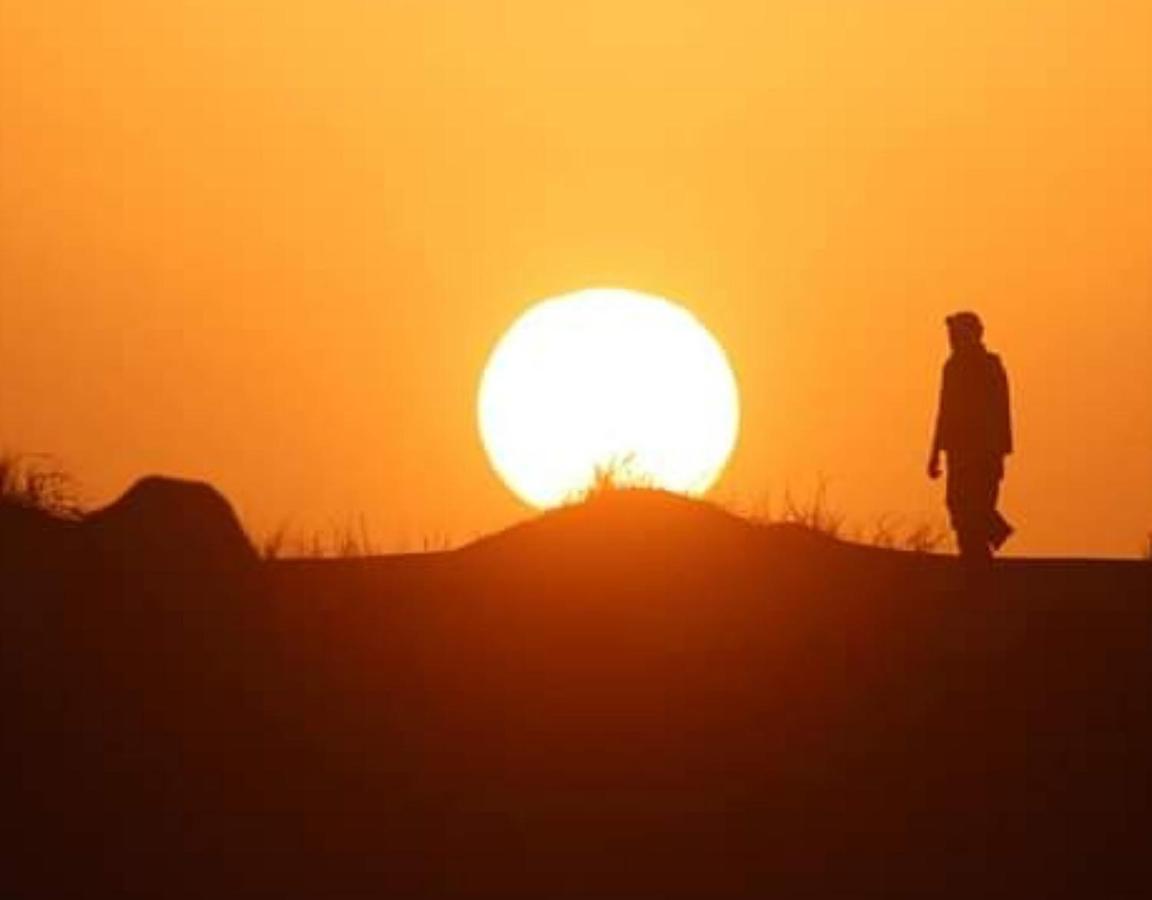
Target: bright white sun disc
<point>607,380</point>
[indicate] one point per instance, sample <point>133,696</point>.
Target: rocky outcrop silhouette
<point>169,525</point>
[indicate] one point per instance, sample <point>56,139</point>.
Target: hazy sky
<point>271,244</point>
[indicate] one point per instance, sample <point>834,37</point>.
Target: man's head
<point>964,329</point>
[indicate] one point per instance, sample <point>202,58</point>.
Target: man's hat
<point>966,322</point>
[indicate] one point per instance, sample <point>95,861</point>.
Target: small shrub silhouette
<point>38,482</point>
<point>925,538</point>
<point>619,473</point>
<point>817,514</point>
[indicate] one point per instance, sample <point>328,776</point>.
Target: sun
<point>607,380</point>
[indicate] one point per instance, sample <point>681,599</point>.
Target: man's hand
<point>934,466</point>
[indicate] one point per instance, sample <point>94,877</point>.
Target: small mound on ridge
<point>642,522</point>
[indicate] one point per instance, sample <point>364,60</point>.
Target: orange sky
<point>271,243</point>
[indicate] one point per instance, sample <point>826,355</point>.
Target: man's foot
<point>974,550</point>
<point>1000,531</point>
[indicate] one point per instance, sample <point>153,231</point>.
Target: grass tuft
<point>351,539</point>
<point>38,481</point>
<point>611,477</point>
<point>817,514</point>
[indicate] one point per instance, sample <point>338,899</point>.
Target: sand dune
<point>642,696</point>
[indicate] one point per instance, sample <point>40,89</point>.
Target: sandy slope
<point>643,697</point>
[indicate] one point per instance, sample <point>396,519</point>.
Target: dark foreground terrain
<point>639,697</point>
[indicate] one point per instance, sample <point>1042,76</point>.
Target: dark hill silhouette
<point>641,696</point>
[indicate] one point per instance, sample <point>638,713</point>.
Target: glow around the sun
<point>607,380</point>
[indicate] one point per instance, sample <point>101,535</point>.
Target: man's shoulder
<point>973,365</point>
<point>977,360</point>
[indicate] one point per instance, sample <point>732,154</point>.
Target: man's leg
<point>1001,530</point>
<point>971,495</point>
<point>960,509</point>
<point>974,546</point>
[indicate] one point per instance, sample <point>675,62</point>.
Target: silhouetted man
<point>974,430</point>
